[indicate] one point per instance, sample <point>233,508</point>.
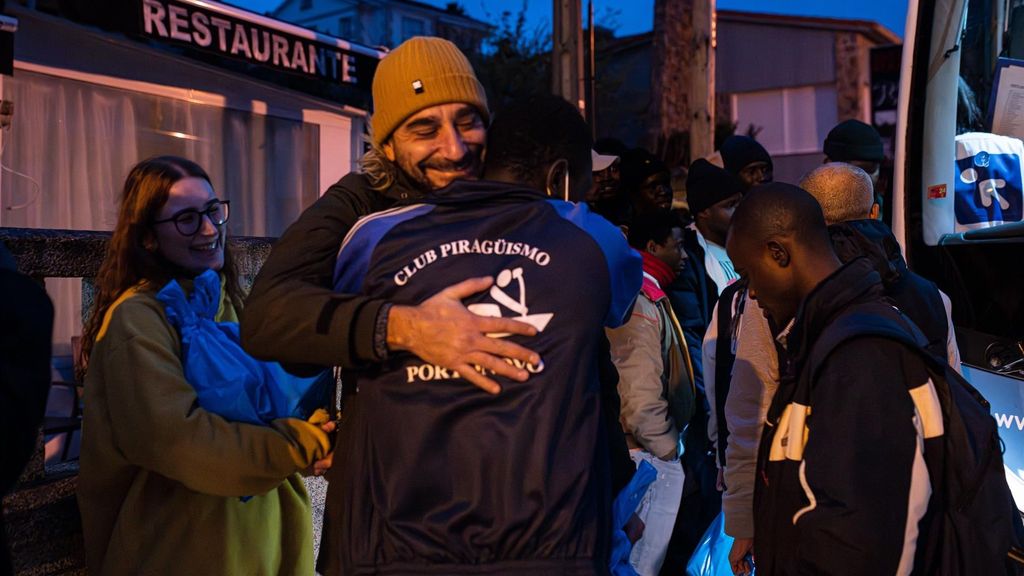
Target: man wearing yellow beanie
<point>429,116</point>
<point>428,129</point>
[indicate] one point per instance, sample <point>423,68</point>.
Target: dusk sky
<point>633,16</point>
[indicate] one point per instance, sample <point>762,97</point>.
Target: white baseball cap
<point>601,161</point>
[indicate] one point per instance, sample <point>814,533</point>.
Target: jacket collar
<point>873,240</point>
<point>469,191</point>
<point>853,283</point>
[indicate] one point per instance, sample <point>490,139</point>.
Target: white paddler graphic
<point>522,312</point>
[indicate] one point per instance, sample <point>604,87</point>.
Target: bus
<point>957,189</point>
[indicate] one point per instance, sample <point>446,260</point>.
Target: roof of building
<point>872,30</point>
<point>869,28</point>
<point>464,19</point>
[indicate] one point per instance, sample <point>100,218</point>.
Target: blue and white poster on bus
<point>988,185</point>
<point>1006,396</point>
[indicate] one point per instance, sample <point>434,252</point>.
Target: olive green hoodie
<point>161,478</point>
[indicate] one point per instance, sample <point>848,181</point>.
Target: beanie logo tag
<point>417,86</point>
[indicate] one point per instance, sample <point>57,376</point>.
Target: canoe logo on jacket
<point>518,307</point>
<point>500,294</point>
<point>499,247</point>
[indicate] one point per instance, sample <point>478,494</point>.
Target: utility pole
<point>682,80</point>
<point>567,53</point>
<point>702,83</point>
<point>590,80</point>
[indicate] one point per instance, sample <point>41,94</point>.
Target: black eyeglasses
<point>189,221</point>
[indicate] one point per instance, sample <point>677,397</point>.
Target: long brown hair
<point>132,256</point>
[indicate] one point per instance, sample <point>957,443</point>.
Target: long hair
<point>132,257</point>
<point>381,172</point>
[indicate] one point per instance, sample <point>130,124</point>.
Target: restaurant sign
<point>229,31</point>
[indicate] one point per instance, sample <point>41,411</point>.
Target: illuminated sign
<point>228,31</point>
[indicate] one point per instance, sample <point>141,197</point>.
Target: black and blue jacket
<point>439,477</point>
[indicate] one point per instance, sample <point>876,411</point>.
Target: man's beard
<point>470,165</point>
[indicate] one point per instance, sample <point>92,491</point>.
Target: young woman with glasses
<point>161,478</point>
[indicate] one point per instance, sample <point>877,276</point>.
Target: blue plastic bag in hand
<point>711,558</point>
<point>228,381</point>
<point>622,508</point>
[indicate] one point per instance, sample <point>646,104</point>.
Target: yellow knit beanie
<point>422,72</point>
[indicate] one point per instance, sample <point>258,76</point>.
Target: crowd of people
<point>524,321</point>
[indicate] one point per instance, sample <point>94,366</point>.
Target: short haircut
<point>778,209</point>
<point>656,225</point>
<point>843,190</point>
<point>531,133</point>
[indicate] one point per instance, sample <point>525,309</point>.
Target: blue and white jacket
<point>437,476</point>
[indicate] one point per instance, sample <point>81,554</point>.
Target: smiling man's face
<point>439,144</point>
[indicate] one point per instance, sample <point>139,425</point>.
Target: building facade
<point>786,80</point>
<point>385,23</point>
<point>275,113</point>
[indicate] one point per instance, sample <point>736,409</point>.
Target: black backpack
<point>972,526</point>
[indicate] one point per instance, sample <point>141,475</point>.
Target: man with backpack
<point>847,200</point>
<point>876,458</point>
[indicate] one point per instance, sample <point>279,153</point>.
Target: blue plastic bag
<point>228,381</point>
<point>711,558</point>
<point>622,508</point>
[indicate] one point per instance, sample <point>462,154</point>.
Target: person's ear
<point>389,150</point>
<point>875,209</point>
<point>557,180</point>
<point>652,247</point>
<point>700,216</point>
<point>149,242</point>
<point>779,253</point>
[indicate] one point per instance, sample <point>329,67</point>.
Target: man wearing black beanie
<point>857,143</point>
<point>712,195</point>
<point>746,158</point>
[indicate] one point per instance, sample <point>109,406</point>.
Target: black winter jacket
<point>914,295</point>
<point>841,484</point>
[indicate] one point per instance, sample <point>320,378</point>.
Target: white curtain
<point>74,143</point>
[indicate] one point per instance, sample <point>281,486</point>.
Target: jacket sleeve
<point>157,423</point>
<point>708,348</point>
<point>952,349</point>
<point>863,470</point>
<point>636,352</point>
<point>754,381</point>
<point>292,314</point>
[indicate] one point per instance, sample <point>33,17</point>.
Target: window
<point>345,27</point>
<point>268,166</point>
<point>790,120</point>
<point>413,27</point>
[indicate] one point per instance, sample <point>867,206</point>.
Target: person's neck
<point>503,175</point>
<point>657,269</point>
<point>820,267</point>
<point>710,236</point>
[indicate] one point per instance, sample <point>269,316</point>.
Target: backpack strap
<point>873,319</point>
<point>725,357</point>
